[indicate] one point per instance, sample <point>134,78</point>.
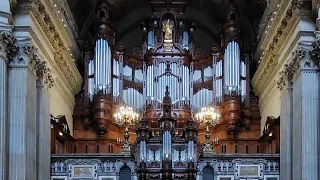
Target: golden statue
<point>167,29</point>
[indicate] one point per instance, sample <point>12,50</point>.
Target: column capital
<point>305,58</point>
<point>315,51</point>
<point>7,42</point>
<point>26,56</point>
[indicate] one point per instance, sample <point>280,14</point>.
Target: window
<point>86,148</point>
<point>150,39</point>
<point>236,149</point>
<point>98,149</point>
<point>247,150</point>
<point>258,149</point>
<point>75,149</point>
<point>185,41</point>
<point>110,148</point>
<point>224,149</point>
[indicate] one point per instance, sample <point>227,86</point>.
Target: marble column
<point>5,35</point>
<point>43,130</point>
<point>6,41</point>
<point>305,150</point>
<point>22,113</point>
<point>286,130</point>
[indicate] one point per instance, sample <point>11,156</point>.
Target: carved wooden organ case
<point>168,57</point>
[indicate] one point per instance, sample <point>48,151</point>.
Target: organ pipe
<point>144,73</point>
<point>90,80</point>
<point>102,66</point>
<point>155,80</point>
<point>214,74</point>
<point>232,67</point>
<point>191,85</point>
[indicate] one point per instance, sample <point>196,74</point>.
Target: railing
<point>229,165</point>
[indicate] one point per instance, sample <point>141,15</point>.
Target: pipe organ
<point>167,81</point>
<point>225,76</point>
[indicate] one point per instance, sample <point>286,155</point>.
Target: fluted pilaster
<point>6,41</point>
<point>43,130</point>
<point>22,105</point>
<point>305,150</point>
<point>286,132</point>
<point>22,124</point>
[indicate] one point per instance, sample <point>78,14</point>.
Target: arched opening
<point>208,173</point>
<point>125,173</point>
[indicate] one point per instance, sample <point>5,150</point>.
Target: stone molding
<point>270,59</point>
<point>44,16</point>
<point>61,83</point>
<point>277,35</point>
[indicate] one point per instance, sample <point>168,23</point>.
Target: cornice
<point>58,45</point>
<point>275,43</point>
<point>267,16</point>
<point>271,58</point>
<point>63,19</point>
<point>60,80</point>
<point>270,84</point>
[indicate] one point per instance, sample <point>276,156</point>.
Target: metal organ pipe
<point>144,83</point>
<point>102,59</point>
<point>102,65</point>
<point>103,62</point>
<point>90,80</point>
<point>232,66</point>
<point>164,147</point>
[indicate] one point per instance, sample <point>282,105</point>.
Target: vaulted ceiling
<point>207,14</point>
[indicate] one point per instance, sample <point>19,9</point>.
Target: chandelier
<point>125,117</point>
<point>207,116</point>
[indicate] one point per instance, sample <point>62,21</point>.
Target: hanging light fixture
<point>207,116</point>
<point>125,117</point>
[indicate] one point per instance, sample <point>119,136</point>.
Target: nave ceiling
<point>208,15</point>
